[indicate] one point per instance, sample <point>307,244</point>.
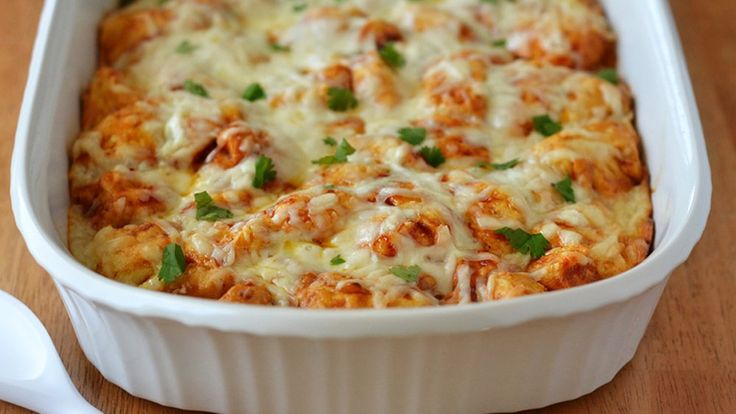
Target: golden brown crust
<point>325,291</point>
<point>248,292</point>
<point>107,93</point>
<point>612,166</point>
<point>499,206</point>
<point>475,273</point>
<point>511,285</point>
<point>122,32</point>
<point>565,267</point>
<point>130,254</point>
<point>117,200</point>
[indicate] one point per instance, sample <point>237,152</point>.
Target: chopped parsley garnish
<point>264,172</point>
<point>195,88</point>
<point>207,210</point>
<point>610,75</point>
<point>254,92</point>
<point>279,48</point>
<point>391,56</point>
<point>408,273</point>
<point>413,136</point>
<point>341,99</point>
<point>564,187</point>
<point>330,141</point>
<point>343,150</point>
<point>432,156</point>
<point>546,125</point>
<point>337,260</point>
<point>173,263</point>
<point>340,157</point>
<point>299,7</point>
<point>500,166</point>
<point>532,244</point>
<point>185,48</point>
<point>499,43</point>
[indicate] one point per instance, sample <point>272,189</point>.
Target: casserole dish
<point>497,356</point>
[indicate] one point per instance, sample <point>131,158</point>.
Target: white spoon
<point>31,372</point>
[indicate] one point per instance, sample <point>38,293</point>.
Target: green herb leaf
<point>207,210</point>
<point>337,260</point>
<point>341,99</point>
<point>413,136</point>
<point>185,48</point>
<point>173,263</point>
<point>279,48</point>
<point>330,141</point>
<point>340,157</point>
<point>195,88</point>
<point>610,75</point>
<point>264,172</point>
<point>499,43</point>
<point>391,56</point>
<point>254,92</point>
<point>546,125</point>
<point>564,187</point>
<point>299,7</point>
<point>327,160</point>
<point>499,166</point>
<point>408,273</point>
<point>432,156</point>
<point>343,150</point>
<point>532,244</point>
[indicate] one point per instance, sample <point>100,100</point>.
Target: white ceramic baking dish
<point>501,356</point>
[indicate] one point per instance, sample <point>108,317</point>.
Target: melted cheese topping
<point>476,74</point>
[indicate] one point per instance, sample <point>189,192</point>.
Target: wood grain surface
<point>687,360</point>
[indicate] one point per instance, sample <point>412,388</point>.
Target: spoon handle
<point>63,402</point>
<point>31,372</point>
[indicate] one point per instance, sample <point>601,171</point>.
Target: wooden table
<point>687,360</point>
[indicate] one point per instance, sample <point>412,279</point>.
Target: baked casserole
<point>358,153</point>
